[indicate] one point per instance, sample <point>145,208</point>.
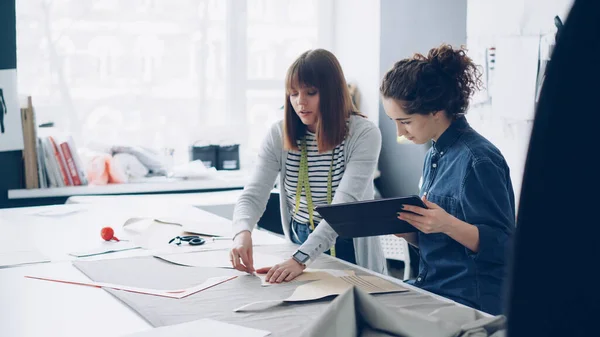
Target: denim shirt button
<point>434,165</point>
<point>419,279</point>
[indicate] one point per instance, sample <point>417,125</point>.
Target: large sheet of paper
<point>217,259</point>
<point>154,235</point>
<point>202,327</point>
<point>329,286</point>
<point>16,250</point>
<point>213,225</point>
<point>175,293</point>
<point>16,258</point>
<point>209,224</point>
<point>57,212</point>
<point>105,248</point>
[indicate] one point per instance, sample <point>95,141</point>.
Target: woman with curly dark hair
<point>464,233</point>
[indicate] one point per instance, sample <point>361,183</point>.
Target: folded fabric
<point>153,160</point>
<point>130,166</point>
<point>193,170</point>
<point>356,313</point>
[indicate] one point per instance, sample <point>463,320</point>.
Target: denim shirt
<point>468,177</point>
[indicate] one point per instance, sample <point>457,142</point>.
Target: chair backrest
<point>395,248</point>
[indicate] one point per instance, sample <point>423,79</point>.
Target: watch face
<point>300,256</point>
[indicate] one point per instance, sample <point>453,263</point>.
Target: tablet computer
<point>370,217</point>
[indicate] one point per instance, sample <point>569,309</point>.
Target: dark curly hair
<point>444,80</point>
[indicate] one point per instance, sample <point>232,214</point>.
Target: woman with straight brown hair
<point>324,152</point>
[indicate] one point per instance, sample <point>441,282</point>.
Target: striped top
<point>318,172</point>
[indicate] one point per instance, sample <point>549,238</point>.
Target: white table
<point>38,308</point>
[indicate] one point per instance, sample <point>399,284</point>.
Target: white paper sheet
<point>515,78</point>
<point>175,293</point>
<point>106,247</point>
<point>209,225</point>
<point>217,258</point>
<point>16,258</point>
<point>202,327</point>
<point>61,211</point>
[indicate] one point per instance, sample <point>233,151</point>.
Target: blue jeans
<point>344,248</point>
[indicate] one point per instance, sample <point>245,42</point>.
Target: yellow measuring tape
<point>303,182</point>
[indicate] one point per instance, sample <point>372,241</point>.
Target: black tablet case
<point>369,218</point>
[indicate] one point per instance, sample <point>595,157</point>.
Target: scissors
<point>192,240</point>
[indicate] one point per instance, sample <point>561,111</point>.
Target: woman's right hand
<point>241,253</point>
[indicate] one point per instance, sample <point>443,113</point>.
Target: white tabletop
<point>38,308</point>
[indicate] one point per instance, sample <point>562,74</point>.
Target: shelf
<point>221,181</point>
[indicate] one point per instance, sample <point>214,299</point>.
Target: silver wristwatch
<point>301,257</point>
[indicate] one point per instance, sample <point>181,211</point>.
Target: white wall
<point>356,44</point>
<point>507,119</point>
<point>409,26</point>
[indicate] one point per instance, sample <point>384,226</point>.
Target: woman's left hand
<point>283,272</point>
<point>433,219</point>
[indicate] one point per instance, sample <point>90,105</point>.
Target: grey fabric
<point>218,302</point>
<point>356,313</point>
<point>368,332</point>
<point>361,153</point>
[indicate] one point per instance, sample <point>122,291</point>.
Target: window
<point>160,74</point>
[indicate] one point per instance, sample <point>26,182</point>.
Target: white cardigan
<point>361,153</point>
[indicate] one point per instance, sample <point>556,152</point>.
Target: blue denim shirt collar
<point>449,137</point>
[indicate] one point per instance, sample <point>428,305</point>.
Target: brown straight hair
<point>320,69</point>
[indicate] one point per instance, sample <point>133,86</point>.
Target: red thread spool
<point>108,234</point>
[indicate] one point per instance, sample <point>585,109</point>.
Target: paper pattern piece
<point>217,259</point>
<point>329,286</point>
<point>151,233</point>
<point>177,293</point>
<point>337,285</point>
<point>16,258</point>
<point>309,275</point>
<point>107,247</point>
<point>211,226</point>
<point>63,210</point>
<point>200,328</point>
<point>11,129</point>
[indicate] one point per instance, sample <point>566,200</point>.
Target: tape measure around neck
<point>304,183</point>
